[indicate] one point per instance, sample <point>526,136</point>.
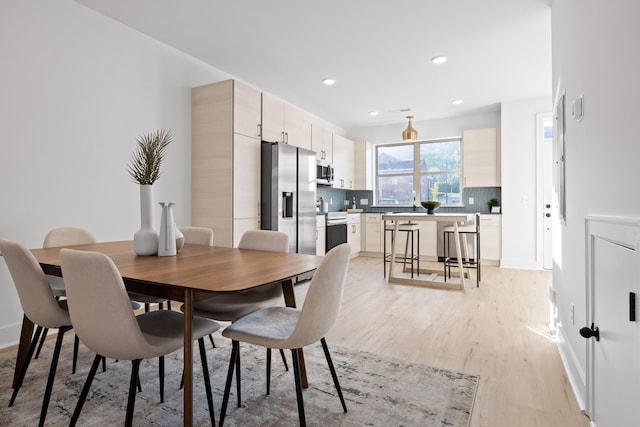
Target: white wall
<point>594,54</point>
<point>77,90</point>
<point>519,180</point>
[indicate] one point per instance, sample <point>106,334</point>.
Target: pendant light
<point>409,132</point>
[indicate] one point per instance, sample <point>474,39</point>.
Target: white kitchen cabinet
<point>225,164</point>
<point>322,143</point>
<point>343,162</point>
<point>282,122</point>
<point>373,232</point>
<point>321,235</point>
<point>481,158</point>
<point>353,233</point>
<point>491,239</point>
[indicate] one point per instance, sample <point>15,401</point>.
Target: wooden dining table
<point>193,274</point>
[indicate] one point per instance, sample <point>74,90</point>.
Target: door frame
<point>622,231</point>
<point>540,141</point>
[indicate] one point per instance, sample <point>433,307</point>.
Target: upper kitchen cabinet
<point>343,162</point>
<point>322,143</point>
<point>363,165</point>
<point>284,123</point>
<point>481,158</point>
<point>225,159</point>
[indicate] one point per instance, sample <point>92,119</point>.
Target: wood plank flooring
<point>498,331</point>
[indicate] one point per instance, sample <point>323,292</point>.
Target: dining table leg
<point>23,347</point>
<point>290,301</point>
<point>188,358</point>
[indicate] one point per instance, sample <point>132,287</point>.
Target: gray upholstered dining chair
<point>39,306</point>
<point>197,235</point>
<point>229,307</point>
<point>102,317</point>
<point>290,328</point>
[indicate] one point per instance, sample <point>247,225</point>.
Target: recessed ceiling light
<point>457,101</point>
<point>373,113</point>
<point>328,81</point>
<point>439,60</point>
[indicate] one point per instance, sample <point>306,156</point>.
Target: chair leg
<point>76,345</point>
<point>235,352</point>
<point>45,331</point>
<point>296,374</point>
<point>52,374</point>
<point>161,376</point>
<point>238,389</point>
<point>169,305</point>
<point>268,370</point>
<point>333,373</point>
<point>23,372</point>
<point>85,390</point>
<point>211,339</point>
<point>131,402</point>
<point>284,360</point>
<point>207,380</point>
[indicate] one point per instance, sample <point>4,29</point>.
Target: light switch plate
<point>577,108</point>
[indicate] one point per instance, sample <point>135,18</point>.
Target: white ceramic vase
<point>167,241</point>
<point>145,240</point>
<point>179,239</point>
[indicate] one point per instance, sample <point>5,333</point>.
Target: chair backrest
<point>197,235</point>
<point>100,308</point>
<point>36,297</point>
<point>68,236</point>
<point>264,240</point>
<point>324,297</point>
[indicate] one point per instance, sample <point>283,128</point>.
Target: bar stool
<point>410,228</point>
<point>467,262</point>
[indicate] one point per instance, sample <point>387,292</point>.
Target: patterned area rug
<point>379,391</point>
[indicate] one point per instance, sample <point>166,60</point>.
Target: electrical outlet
<point>364,201</point>
<point>470,200</point>
<point>331,201</point>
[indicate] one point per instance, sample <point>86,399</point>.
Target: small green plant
<point>144,164</point>
<point>493,202</point>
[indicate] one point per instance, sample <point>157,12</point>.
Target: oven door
<point>336,235</point>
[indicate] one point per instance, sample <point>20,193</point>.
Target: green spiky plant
<point>144,164</point>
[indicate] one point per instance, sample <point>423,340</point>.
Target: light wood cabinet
<point>343,162</point>
<point>373,232</point>
<point>321,235</point>
<point>353,233</point>
<point>363,165</point>
<point>282,122</point>
<point>322,143</point>
<point>491,239</point>
<point>225,164</point>
<point>481,158</point>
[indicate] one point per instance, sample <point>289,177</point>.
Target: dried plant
<point>144,164</point>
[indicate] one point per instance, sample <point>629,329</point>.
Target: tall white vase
<point>145,240</point>
<point>167,242</point>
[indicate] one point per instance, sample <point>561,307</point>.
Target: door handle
<point>587,332</point>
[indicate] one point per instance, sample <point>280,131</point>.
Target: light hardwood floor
<point>498,331</point>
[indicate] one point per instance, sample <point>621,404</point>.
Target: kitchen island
<point>430,277</point>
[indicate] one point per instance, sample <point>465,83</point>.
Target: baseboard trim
<point>575,373</point>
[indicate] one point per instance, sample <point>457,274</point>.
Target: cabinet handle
<point>282,137</point>
<point>286,137</point>
<point>353,229</point>
<point>260,130</point>
<point>316,234</point>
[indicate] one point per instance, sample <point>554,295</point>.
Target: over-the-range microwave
<point>324,173</point>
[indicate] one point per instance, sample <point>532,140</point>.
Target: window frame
<point>416,175</point>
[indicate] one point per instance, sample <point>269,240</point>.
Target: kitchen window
<point>430,170</point>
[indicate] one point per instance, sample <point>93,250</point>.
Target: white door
<point>545,171</point>
<point>614,361</point>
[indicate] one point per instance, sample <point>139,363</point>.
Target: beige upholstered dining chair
<point>102,317</point>
<point>39,306</point>
<point>197,235</point>
<point>229,307</point>
<point>290,328</point>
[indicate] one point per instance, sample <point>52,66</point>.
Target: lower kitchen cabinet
<point>373,232</point>
<point>321,235</point>
<point>491,239</point>
<point>353,233</point>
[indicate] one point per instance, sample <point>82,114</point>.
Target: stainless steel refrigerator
<point>288,194</point>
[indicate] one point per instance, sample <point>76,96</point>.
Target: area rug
<point>379,391</point>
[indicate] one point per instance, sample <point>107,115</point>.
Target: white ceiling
<point>379,51</point>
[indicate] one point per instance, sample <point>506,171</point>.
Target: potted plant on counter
<point>430,205</point>
<point>494,205</point>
